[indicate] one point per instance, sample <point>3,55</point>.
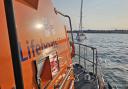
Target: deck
<point>84,79</point>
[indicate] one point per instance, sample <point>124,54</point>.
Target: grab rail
<point>66,77</point>
<point>72,83</point>
<point>84,55</point>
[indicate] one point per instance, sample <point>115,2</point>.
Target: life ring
<point>72,48</point>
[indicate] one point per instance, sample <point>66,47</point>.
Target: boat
<point>35,50</point>
<point>80,35</point>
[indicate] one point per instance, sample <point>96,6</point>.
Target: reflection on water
<point>113,54</point>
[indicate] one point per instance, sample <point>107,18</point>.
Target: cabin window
<point>54,62</point>
<point>47,68</point>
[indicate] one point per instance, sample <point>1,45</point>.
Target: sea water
<point>113,54</point>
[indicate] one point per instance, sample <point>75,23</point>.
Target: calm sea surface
<point>113,54</point>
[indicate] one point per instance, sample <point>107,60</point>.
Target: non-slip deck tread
<point>81,82</point>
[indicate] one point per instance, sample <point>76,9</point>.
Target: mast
<point>80,32</point>
<point>81,12</point>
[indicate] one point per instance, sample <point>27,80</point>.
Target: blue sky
<point>97,14</point>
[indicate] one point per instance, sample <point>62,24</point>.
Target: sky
<point>97,14</point>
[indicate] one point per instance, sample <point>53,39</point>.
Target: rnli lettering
<point>34,49</point>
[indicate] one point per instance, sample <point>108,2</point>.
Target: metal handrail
<point>85,59</point>
<point>85,45</point>
<point>94,56</point>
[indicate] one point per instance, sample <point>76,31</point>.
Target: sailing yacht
<point>80,35</point>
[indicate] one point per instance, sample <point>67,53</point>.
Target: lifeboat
<point>35,49</point>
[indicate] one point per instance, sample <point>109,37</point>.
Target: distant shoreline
<point>101,31</point>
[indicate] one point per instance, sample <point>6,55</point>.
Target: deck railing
<point>86,56</point>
